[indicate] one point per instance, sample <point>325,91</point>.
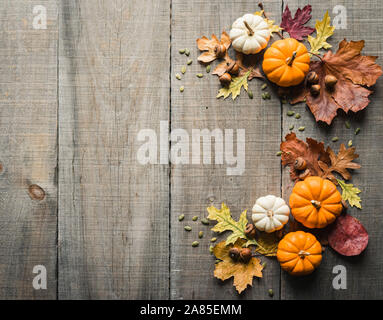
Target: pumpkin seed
<point>195,244</point>
<point>335,139</point>
<point>347,124</point>
<point>271,292</point>
<point>188,228</point>
<point>187,52</point>
<point>205,221</point>
<point>199,75</point>
<point>181,217</point>
<point>208,68</point>
<point>301,128</point>
<point>213,239</point>
<point>357,131</point>
<point>183,69</point>
<point>181,51</point>
<point>284,101</point>
<point>264,86</point>
<point>211,248</point>
<point>291,127</point>
<point>297,116</point>
<point>349,143</point>
<point>264,264</point>
<point>182,88</point>
<point>263,96</point>
<point>200,234</point>
<point>250,94</point>
<point>195,218</point>
<point>190,61</point>
<point>267,95</point>
<point>279,153</point>
<point>178,76</point>
<point>290,113</point>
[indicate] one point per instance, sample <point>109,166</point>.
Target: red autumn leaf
<point>352,70</point>
<point>348,236</point>
<point>296,27</point>
<point>213,47</point>
<point>311,151</point>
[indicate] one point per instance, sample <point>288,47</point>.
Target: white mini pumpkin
<point>250,34</point>
<point>270,213</point>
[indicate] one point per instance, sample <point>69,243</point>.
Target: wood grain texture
<point>113,211</point>
<point>195,187</point>
<point>365,280</point>
<point>28,131</point>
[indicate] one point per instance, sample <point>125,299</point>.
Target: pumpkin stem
<point>302,254</point>
<point>251,31</point>
<point>316,204</point>
<point>291,59</point>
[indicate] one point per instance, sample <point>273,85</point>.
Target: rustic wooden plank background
<point>73,98</point>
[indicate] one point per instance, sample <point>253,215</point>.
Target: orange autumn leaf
<point>243,273</point>
<point>213,47</point>
<point>354,73</point>
<point>340,163</point>
<point>311,151</point>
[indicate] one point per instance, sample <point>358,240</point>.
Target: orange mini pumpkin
<point>286,62</point>
<point>315,202</point>
<point>299,253</point>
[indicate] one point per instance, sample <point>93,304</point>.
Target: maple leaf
<point>273,28</point>
<point>353,72</point>
<point>243,273</point>
<point>235,86</point>
<point>296,27</point>
<point>211,47</point>
<point>227,223</point>
<point>340,163</point>
<point>324,30</point>
<point>311,151</point>
<point>350,194</point>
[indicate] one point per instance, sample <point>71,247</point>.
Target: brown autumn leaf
<point>311,151</point>
<point>251,63</point>
<point>354,73</point>
<point>243,273</point>
<point>340,163</point>
<point>212,47</point>
<point>224,66</point>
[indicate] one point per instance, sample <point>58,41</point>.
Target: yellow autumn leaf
<point>350,194</point>
<point>324,30</point>
<point>274,28</point>
<point>227,223</point>
<point>266,244</point>
<point>235,87</point>
<point>243,273</point>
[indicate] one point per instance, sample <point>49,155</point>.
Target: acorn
<point>300,164</point>
<point>312,77</point>
<point>234,69</point>
<point>315,89</point>
<point>330,81</point>
<point>220,50</point>
<point>225,79</point>
<point>245,255</point>
<point>234,254</point>
<point>250,231</point>
<point>304,174</point>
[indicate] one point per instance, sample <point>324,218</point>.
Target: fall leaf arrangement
<point>294,64</point>
<point>314,217</point>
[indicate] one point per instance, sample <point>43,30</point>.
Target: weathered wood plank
<point>113,211</point>
<point>365,280</point>
<point>28,114</point>
<point>195,187</point>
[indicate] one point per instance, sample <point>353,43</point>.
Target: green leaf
<point>227,223</point>
<point>324,30</point>
<point>235,86</point>
<point>350,193</point>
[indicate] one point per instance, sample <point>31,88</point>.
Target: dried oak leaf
<point>296,27</point>
<point>212,47</point>
<point>311,151</point>
<point>224,66</point>
<point>243,273</point>
<point>353,72</point>
<point>340,163</point>
<point>348,236</point>
<point>250,63</point>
